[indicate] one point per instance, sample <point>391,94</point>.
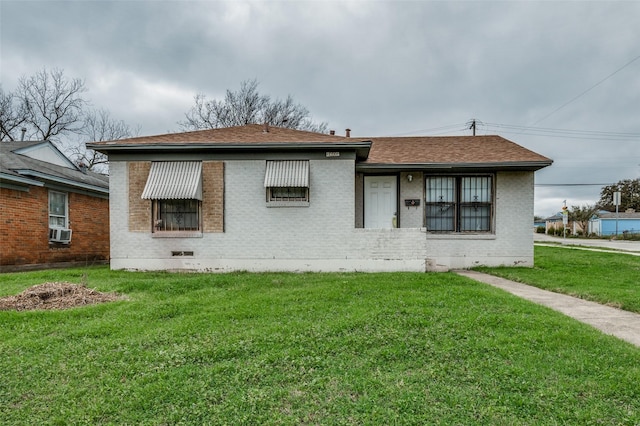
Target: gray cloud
<point>380,68</point>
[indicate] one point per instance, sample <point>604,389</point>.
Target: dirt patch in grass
<point>55,295</point>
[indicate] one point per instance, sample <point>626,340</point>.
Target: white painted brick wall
<point>512,243</point>
<point>411,217</point>
<point>321,237</point>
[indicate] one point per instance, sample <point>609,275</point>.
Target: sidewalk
<point>628,246</point>
<point>622,324</point>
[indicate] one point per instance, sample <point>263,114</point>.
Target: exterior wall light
<point>409,178</point>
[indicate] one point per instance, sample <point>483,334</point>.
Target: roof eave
<point>19,179</point>
<point>456,167</point>
<point>64,181</point>
<point>362,148</point>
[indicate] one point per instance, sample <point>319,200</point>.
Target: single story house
<point>52,212</point>
<point>606,223</point>
<point>555,224</point>
<point>263,198</point>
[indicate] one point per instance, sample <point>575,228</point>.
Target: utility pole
<point>616,201</point>
<point>565,219</point>
<point>473,126</point>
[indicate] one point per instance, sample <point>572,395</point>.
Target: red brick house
<point>52,212</point>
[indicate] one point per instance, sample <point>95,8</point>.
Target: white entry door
<point>380,201</point>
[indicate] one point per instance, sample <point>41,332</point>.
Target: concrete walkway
<point>622,324</point>
<point>630,247</point>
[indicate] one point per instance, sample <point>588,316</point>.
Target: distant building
<point>604,224</point>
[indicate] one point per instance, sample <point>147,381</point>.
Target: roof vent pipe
<point>266,128</point>
<point>348,132</point>
<point>24,130</point>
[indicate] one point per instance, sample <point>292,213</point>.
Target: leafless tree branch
<point>248,106</point>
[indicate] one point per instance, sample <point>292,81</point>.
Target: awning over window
<point>287,174</point>
<point>174,180</point>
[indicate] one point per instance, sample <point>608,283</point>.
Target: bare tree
<point>12,117</point>
<point>99,126</point>
<point>51,104</point>
<point>248,106</point>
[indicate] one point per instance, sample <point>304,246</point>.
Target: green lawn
<point>608,278</point>
<point>402,348</point>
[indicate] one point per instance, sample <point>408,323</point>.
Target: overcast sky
<point>559,78</point>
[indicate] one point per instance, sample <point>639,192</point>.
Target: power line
<point>587,91</point>
<point>573,184</point>
<point>565,131</point>
<point>502,128</point>
<point>441,130</point>
<point>525,130</point>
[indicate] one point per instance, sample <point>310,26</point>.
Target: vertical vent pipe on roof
<point>348,132</point>
<point>24,130</point>
<point>266,127</point>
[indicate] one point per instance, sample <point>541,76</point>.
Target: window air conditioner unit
<point>60,235</point>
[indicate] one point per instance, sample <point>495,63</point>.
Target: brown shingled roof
<point>449,149</point>
<point>425,150</point>
<point>251,133</point>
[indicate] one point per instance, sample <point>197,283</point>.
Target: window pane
<point>440,216</point>
<point>57,209</point>
<point>475,218</point>
<point>177,215</point>
<point>441,189</point>
<point>56,222</point>
<point>288,194</point>
<point>476,189</point>
<point>440,204</point>
<point>57,203</point>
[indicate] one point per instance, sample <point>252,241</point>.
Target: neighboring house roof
<point>555,217</point>
<point>621,215</point>
<point>459,152</point>
<point>17,167</point>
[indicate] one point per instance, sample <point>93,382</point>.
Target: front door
<point>380,201</point>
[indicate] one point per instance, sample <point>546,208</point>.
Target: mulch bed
<point>55,295</point>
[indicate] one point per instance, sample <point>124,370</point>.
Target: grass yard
<point>609,278</point>
<point>288,349</point>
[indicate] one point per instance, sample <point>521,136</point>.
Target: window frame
<point>301,194</point>
<point>456,201</point>
<point>174,189</point>
<point>65,216</point>
<point>288,199</point>
<point>156,211</point>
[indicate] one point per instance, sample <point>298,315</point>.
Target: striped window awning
<point>290,173</point>
<point>174,180</point>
